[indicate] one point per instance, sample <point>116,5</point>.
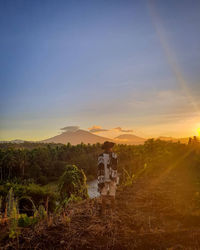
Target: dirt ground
<point>159,214</point>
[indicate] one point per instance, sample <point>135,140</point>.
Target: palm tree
<point>22,161</point>
<point>9,162</point>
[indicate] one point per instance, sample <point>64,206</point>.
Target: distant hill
<point>17,141</point>
<point>77,137</point>
<point>129,139</point>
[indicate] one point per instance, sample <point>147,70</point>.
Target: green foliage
<point>17,220</point>
<point>42,212</point>
<point>37,194</point>
<point>11,203</point>
<point>73,182</point>
<point>27,221</point>
<point>57,163</point>
<point>74,198</point>
<point>13,215</point>
<point>128,179</point>
<point>66,201</point>
<point>156,157</point>
<point>45,162</point>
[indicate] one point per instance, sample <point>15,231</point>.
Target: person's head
<point>108,146</point>
<point>109,150</point>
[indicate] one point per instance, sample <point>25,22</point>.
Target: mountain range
<point>82,136</point>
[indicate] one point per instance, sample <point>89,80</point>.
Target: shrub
<point>13,215</point>
<point>39,195</point>
<point>26,221</point>
<point>73,182</point>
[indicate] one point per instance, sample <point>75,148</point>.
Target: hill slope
<point>157,213</point>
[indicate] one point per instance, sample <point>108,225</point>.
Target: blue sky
<point>133,64</point>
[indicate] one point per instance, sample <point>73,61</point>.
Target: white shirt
<point>106,158</point>
<point>108,173</point>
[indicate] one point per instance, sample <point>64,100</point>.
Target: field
<point>157,207</point>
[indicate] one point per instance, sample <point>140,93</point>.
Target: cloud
<point>119,129</point>
<point>70,128</point>
<point>97,129</point>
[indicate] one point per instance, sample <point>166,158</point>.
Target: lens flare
<point>170,55</point>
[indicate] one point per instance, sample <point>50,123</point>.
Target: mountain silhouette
<point>129,139</point>
<point>77,137</point>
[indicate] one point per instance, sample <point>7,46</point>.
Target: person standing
<point>107,175</point>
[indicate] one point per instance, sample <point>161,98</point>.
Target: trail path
<point>156,214</point>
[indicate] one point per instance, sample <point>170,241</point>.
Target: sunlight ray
<point>167,171</point>
<point>170,55</point>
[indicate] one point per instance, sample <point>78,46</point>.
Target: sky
<point>133,65</point>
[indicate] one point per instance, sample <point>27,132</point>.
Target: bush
<point>73,182</point>
<point>26,221</point>
<point>39,195</point>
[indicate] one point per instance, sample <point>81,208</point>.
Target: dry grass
<point>147,216</point>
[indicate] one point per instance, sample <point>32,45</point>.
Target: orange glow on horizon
<point>198,131</point>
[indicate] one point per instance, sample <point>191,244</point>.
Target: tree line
<point>44,163</point>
